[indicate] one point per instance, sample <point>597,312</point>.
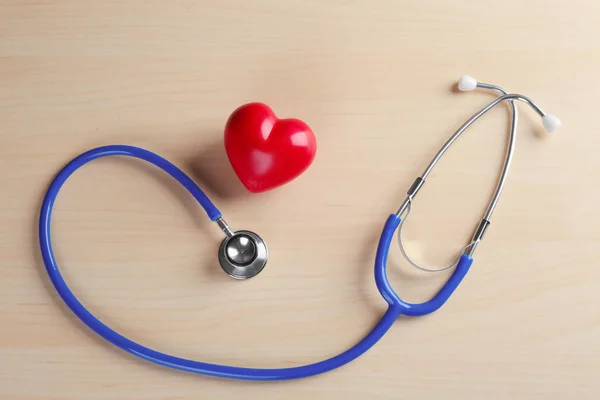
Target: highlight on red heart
<point>265,151</point>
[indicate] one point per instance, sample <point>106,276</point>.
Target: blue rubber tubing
<point>396,306</point>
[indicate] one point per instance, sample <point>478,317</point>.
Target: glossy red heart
<point>265,151</point>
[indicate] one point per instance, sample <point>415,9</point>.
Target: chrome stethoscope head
<point>242,254</point>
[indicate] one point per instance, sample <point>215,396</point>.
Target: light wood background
<point>374,80</point>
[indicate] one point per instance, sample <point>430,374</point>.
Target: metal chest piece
<point>243,254</point>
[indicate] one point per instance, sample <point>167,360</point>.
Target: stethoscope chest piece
<point>243,255</point>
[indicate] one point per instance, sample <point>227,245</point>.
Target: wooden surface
<point>373,79</point>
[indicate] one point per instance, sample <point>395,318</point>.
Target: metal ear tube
<point>467,83</point>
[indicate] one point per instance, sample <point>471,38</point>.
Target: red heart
<point>265,151</point>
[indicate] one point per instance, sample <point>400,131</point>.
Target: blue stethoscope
<point>243,254</point>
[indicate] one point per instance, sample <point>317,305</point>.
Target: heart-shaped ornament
<point>265,151</point>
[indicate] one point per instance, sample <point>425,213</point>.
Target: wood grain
<point>373,79</point>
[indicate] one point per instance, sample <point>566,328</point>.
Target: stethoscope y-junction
<point>243,254</point>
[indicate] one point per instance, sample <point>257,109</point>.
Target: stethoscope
<point>243,254</point>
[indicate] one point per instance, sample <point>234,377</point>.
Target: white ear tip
<point>466,83</point>
<point>551,123</point>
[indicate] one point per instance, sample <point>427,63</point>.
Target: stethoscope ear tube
<point>465,84</point>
